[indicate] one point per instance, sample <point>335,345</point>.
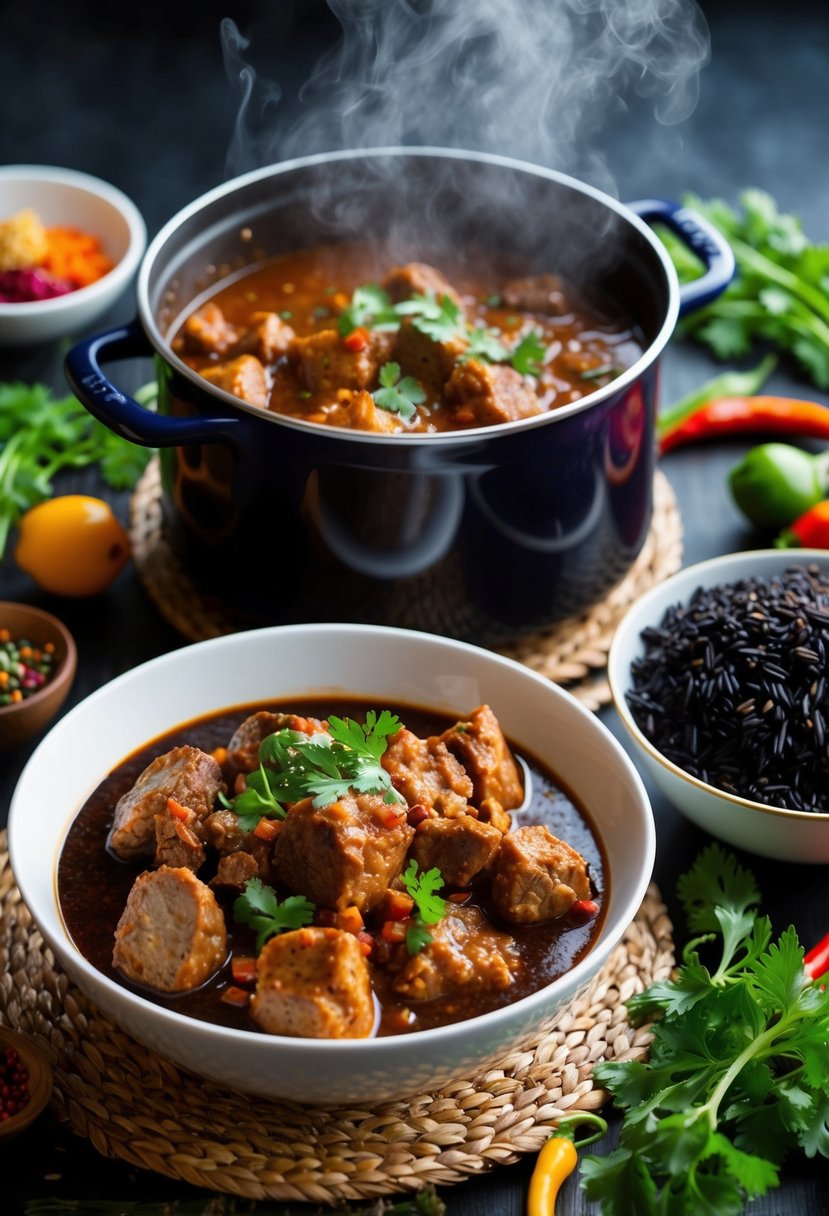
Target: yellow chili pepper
<point>556,1161</point>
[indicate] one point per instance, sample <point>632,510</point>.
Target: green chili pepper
<point>775,483</point>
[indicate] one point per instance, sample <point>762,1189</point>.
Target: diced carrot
<point>397,905</point>
<point>394,930</point>
<point>243,969</point>
<point>220,755</point>
<point>267,829</point>
<point>366,942</point>
<point>389,817</point>
<point>177,810</point>
<point>240,784</point>
<point>357,340</point>
<point>75,256</point>
<point>186,835</point>
<point>350,919</point>
<point>235,996</point>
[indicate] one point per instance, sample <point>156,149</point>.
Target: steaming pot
<point>484,534</point>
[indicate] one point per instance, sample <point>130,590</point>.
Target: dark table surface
<point>143,100</point>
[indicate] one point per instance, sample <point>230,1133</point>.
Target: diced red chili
<point>243,969</point>
<point>357,340</point>
<point>235,996</point>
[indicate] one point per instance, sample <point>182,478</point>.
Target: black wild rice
<point>732,688</point>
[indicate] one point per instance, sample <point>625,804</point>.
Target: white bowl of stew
<point>582,784</point>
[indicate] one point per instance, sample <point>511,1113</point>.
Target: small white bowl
<point>67,198</point>
<point>786,835</point>
<point>387,666</point>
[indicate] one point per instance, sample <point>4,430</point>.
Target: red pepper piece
<point>816,962</point>
<point>357,340</point>
<point>235,996</point>
<point>740,415</point>
<point>243,969</point>
<point>809,531</point>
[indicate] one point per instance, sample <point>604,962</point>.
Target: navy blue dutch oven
<point>484,534</point>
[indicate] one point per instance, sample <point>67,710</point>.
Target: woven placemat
<point>137,1106</point>
<point>572,653</point>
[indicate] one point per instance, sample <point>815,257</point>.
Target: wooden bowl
<point>40,1081</point>
<point>23,719</point>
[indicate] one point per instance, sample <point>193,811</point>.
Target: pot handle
<point>123,414</point>
<point>703,239</point>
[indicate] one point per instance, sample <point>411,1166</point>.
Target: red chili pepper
<point>809,531</point>
<point>816,962</point>
<point>357,340</point>
<point>738,415</point>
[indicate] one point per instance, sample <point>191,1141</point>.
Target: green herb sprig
<point>40,435</point>
<point>430,908</point>
<point>780,293</point>
<point>398,396</point>
<point>259,907</point>
<point>737,1074</point>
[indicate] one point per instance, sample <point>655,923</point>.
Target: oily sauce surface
<point>93,885</point>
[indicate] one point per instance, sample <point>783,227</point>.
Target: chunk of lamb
<point>171,935</point>
<point>482,394</point>
<point>314,983</point>
<point>187,775</point>
<point>244,377</point>
<point>361,414</point>
<point>537,877</point>
<point>465,952</point>
<point>460,847</point>
<point>222,833</point>
<point>178,837</point>
<point>429,361</point>
<point>424,771</point>
<point>235,870</point>
<point>479,744</point>
<point>207,332</point>
<point>418,279</point>
<point>345,853</point>
<point>243,748</point>
<point>268,337</point>
<point>542,293</point>
<point>326,363</point>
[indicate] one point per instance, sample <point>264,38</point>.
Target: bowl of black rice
<point>721,677</point>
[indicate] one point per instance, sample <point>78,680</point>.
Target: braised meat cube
<point>185,774</point>
<point>243,748</point>
<point>178,838</point>
<point>536,876</point>
<point>418,279</point>
<point>361,414</point>
<point>479,743</point>
<point>542,293</point>
<point>268,337</point>
<point>206,331</point>
<point>222,833</point>
<point>244,377</point>
<point>429,361</point>
<point>345,853</point>
<point>171,935</point>
<point>465,952</point>
<point>235,870</point>
<point>314,983</point>
<point>326,363</point>
<point>482,394</point>
<point>460,847</point>
<point>425,772</point>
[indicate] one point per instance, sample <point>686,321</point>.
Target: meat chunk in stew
<point>206,331</point>
<point>244,377</point>
<point>460,848</point>
<point>537,877</point>
<point>171,935</point>
<point>235,870</point>
<point>425,772</point>
<point>465,952</point>
<point>543,293</point>
<point>327,364</point>
<point>178,837</point>
<point>268,337</point>
<point>418,279</point>
<point>479,744</point>
<point>243,748</point>
<point>222,833</point>
<point>361,414</point>
<point>345,853</point>
<point>489,393</point>
<point>314,983</point>
<point>430,361</point>
<point>189,776</point>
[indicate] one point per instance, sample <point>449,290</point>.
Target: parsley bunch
<point>40,434</point>
<point>737,1074</point>
<point>325,767</point>
<point>780,293</point>
<point>430,907</point>
<point>259,907</point>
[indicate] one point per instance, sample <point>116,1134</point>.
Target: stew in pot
<point>322,871</point>
<point>335,335</point>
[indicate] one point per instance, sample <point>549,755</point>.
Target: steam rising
<point>534,79</point>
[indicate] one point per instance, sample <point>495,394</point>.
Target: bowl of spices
<point>25,1082</point>
<point>69,245</point>
<point>37,666</point>
<point>721,677</point>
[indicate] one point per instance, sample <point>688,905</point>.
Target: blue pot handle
<point>703,239</point>
<point>122,414</point>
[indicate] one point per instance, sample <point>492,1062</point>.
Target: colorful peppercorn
<point>14,1084</point>
<point>24,667</point>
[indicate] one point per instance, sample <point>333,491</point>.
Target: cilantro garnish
<point>528,354</point>
<point>370,308</point>
<point>256,800</point>
<point>485,344</point>
<point>737,1072</point>
<point>396,395</point>
<point>259,907</point>
<point>430,908</point>
<point>440,319</point>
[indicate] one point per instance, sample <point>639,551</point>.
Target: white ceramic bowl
<point>386,665</point>
<point>786,835</point>
<point>65,197</point>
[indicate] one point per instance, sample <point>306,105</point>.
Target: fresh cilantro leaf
<point>257,799</point>
<point>441,320</point>
<point>422,888</point>
<point>528,355</point>
<point>398,396</point>
<point>370,308</point>
<point>485,344</point>
<point>418,936</point>
<point>259,907</point>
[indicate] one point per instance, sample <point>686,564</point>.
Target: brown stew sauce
<point>93,885</point>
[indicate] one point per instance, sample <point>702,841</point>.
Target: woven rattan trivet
<point>132,1104</point>
<point>573,653</point>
